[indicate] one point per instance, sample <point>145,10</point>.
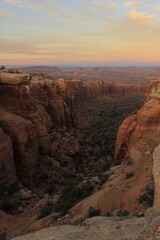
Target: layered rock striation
<point>133,186</point>
<point>33,108</point>
<point>139,137</point>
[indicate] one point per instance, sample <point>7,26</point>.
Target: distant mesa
<point>39,69</point>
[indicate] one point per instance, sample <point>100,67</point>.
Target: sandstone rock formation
<point>139,138</point>
<point>131,186</point>
<point>38,139</point>
<point>32,107</point>
<point>101,228</point>
<point>13,78</point>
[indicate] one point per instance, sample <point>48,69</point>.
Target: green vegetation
<point>3,235</point>
<point>130,162</point>
<point>93,212</point>
<point>147,198</point>
<point>72,195</point>
<point>123,213</point>
<point>9,206</point>
<point>104,178</point>
<point>129,175</point>
<point>100,119</point>
<point>8,203</point>
<point>10,189</point>
<point>46,210</point>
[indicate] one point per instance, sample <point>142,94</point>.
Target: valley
<point>73,150</point>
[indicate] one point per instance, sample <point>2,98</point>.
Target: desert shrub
<point>9,207</point>
<point>104,179</point>
<point>122,213</point>
<point>147,198</point>
<point>2,191</point>
<point>10,189</point>
<point>44,177</point>
<point>108,214</point>
<point>129,175</point>
<point>2,235</point>
<point>46,210</point>
<point>14,187</point>
<point>51,189</point>
<point>93,212</point>
<point>130,162</point>
<point>71,195</point>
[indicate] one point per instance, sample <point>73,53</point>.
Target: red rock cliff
<point>138,138</point>
<point>32,108</point>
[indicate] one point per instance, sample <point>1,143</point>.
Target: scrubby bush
<point>14,187</point>
<point>129,175</point>
<point>108,214</point>
<point>9,207</point>
<point>72,195</point>
<point>2,235</point>
<point>104,179</point>
<point>147,198</point>
<point>130,162</point>
<point>10,189</point>
<point>122,213</point>
<point>46,210</point>
<point>44,177</point>
<point>93,212</point>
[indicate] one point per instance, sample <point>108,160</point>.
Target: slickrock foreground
<point>101,228</point>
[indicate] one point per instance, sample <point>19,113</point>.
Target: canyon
<point>44,136</point>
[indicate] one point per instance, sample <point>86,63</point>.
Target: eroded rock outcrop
<point>140,133</point>
<point>39,143</point>
<point>131,186</point>
<point>138,140</point>
<point>34,106</point>
<point>25,145</point>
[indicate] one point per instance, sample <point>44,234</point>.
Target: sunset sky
<point>80,32</point>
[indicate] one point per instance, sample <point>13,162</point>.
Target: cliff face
<point>139,134</point>
<point>139,137</point>
<point>34,111</point>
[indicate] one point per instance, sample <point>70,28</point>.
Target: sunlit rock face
<point>139,136</point>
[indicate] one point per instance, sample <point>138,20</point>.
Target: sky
<point>80,32</point>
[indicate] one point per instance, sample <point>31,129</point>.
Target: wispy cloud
<point>141,17</point>
<point>157,6</point>
<point>6,13</point>
<point>98,5</point>
<point>16,46</point>
<point>51,6</point>
<point>131,4</point>
<point>79,30</point>
<point>136,27</point>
